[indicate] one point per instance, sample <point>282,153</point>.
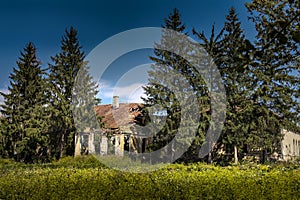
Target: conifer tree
<point>68,92</point>
<point>233,66</point>
<point>63,71</point>
<point>162,79</point>
<point>212,46</point>
<point>3,143</point>
<point>23,109</point>
<point>160,94</point>
<point>84,99</point>
<point>276,59</point>
<point>275,64</point>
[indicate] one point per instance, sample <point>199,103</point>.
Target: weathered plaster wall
<point>290,145</point>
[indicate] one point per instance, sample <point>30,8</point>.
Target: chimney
<point>115,104</point>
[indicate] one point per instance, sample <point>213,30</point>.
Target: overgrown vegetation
<point>87,178</point>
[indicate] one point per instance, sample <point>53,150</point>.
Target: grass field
<point>87,178</point>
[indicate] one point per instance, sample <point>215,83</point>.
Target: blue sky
<point>44,23</point>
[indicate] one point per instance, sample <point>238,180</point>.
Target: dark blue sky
<point>44,23</point>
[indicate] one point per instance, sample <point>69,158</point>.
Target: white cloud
<point>128,87</point>
<point>3,90</point>
<point>130,93</point>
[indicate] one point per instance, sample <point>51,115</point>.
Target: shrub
<point>85,178</point>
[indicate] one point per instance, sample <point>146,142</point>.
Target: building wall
<point>290,145</point>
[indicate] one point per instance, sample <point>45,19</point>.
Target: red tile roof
<point>123,116</point>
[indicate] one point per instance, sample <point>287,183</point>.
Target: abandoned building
<point>290,145</point>
<point>118,134</point>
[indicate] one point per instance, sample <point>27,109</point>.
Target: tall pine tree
<point>63,71</point>
<point>23,109</point>
<point>161,90</point>
<point>70,97</point>
<point>212,46</point>
<point>160,94</point>
<point>276,59</point>
<point>233,66</point>
<point>275,66</point>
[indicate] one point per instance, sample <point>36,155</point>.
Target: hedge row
<point>177,181</point>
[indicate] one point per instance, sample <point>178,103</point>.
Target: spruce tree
<point>276,59</point>
<point>73,93</point>
<point>63,71</point>
<point>84,100</point>
<point>3,126</point>
<point>233,66</point>
<point>160,89</point>
<point>160,94</point>
<point>212,45</point>
<point>275,65</point>
<point>23,109</point>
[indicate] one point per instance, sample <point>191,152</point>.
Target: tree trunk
<point>209,161</point>
<point>263,156</point>
<point>61,146</point>
<point>236,159</point>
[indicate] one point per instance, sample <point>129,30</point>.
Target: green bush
<point>4,162</point>
<point>85,178</point>
<point>79,162</point>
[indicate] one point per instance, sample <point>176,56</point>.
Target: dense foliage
<point>166,91</point>
<point>87,179</point>
<point>24,126</point>
<point>63,72</point>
